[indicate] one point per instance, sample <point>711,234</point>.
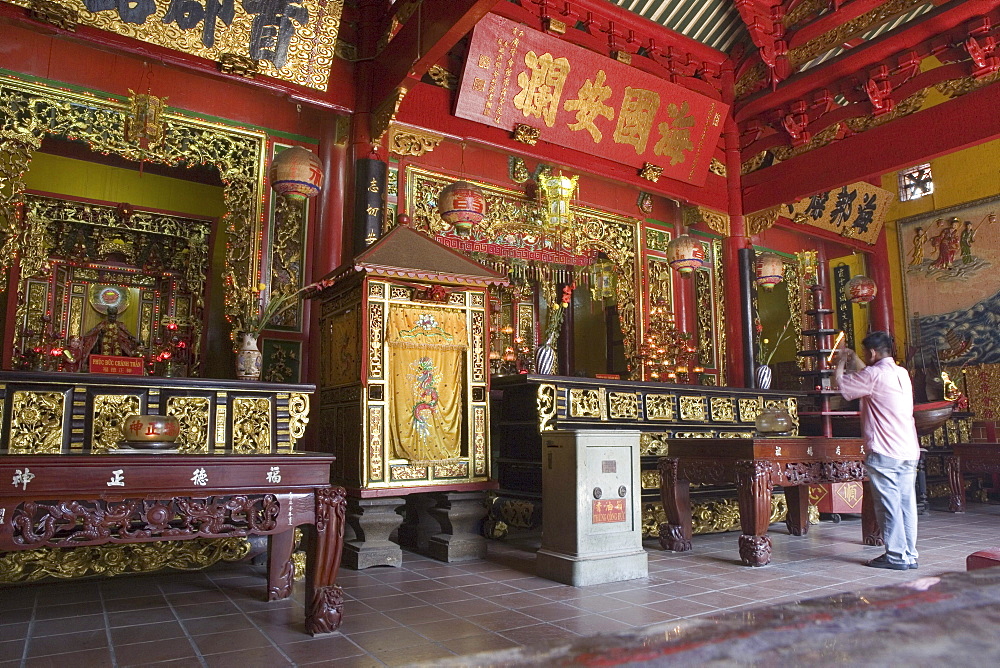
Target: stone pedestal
<point>418,525</point>
<point>459,515</point>
<point>591,515</point>
<point>372,520</point>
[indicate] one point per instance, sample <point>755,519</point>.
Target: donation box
<point>591,515</point>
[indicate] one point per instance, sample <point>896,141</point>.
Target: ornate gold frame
<point>29,111</point>
<point>510,210</point>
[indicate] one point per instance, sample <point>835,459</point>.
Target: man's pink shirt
<point>886,408</point>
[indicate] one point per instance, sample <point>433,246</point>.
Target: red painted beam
<point>831,20</point>
<point>959,123</point>
<point>927,27</point>
<point>426,37</point>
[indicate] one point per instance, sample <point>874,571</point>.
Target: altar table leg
<point>956,501</point>
<point>753,487</point>
<point>325,600</point>
<point>871,532</point>
<point>675,533</point>
<point>797,499</point>
<point>280,568</point>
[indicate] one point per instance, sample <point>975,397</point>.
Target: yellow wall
<point>963,176</point>
<point>78,178</point>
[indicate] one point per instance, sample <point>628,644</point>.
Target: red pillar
<point>735,290</point>
<point>881,306</point>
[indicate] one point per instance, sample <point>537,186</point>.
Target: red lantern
<point>296,173</point>
<point>770,270</point>
<point>462,205</point>
<point>861,289</point>
<point>685,254</point>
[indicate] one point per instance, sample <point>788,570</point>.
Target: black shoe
<point>913,566</point>
<point>883,562</point>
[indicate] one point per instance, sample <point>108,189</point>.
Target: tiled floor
<point>426,609</point>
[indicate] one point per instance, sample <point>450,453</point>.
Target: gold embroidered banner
<point>292,40</point>
<point>426,352</point>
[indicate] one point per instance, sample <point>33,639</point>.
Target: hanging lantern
<point>861,289</point>
<point>557,191</point>
<point>602,280</point>
<point>296,173</point>
<point>462,205</point>
<point>770,270</point>
<point>685,253</point>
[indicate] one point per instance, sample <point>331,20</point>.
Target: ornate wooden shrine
<point>404,385</point>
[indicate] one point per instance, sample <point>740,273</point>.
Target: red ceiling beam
<point>428,34</point>
<point>942,20</point>
<point>951,126</point>
<point>832,20</point>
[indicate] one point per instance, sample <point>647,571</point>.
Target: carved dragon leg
<point>675,533</point>
<point>753,488</point>
<point>871,532</point>
<point>797,520</point>
<point>953,467</point>
<point>280,568</point>
<point>325,600</point>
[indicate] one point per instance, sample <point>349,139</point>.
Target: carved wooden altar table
<point>969,458</point>
<point>756,465</point>
<point>65,501</point>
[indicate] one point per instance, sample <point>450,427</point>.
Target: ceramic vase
<point>763,376</point>
<point>545,360</point>
<point>248,358</point>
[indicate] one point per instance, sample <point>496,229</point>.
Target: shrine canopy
<point>406,254</point>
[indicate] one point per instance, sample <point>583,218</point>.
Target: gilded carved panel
<point>298,417</point>
<point>546,401</point>
<point>624,405</point>
<point>36,423</point>
<point>511,214</point>
<point>251,425</point>
<point>693,408</point>
<point>451,470</point>
<point>110,411</point>
<point>29,111</point>
<point>376,454</point>
<point>478,351</point>
<point>659,406</point>
<point>479,440</point>
<point>376,338</point>
<point>749,409</point>
<point>194,416</point>
<point>585,403</point>
<point>404,472</point>
<point>293,41</point>
<point>722,409</point>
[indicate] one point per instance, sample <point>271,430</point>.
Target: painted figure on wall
<point>947,243</point>
<point>917,253</point>
<point>965,242</point>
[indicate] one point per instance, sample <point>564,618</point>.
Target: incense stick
<point>836,342</point>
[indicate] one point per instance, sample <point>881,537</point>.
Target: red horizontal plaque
<point>129,366</point>
<point>608,510</point>
<point>583,100</point>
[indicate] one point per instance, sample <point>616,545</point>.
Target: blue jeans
<point>893,481</point>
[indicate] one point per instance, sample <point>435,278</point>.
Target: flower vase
<point>248,358</point>
<point>763,376</point>
<point>545,359</point>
